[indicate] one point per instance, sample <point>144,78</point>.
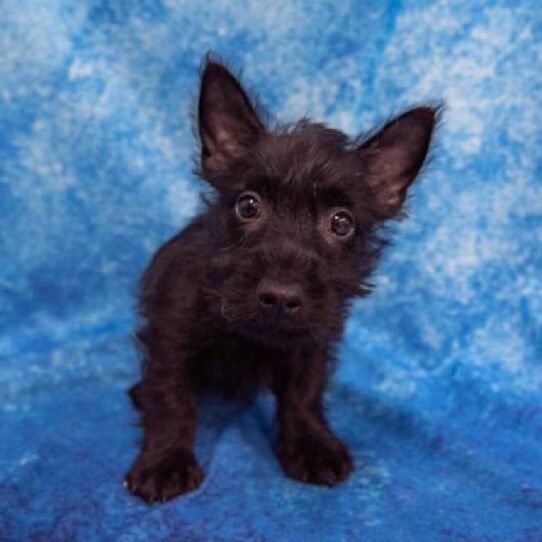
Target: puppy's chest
<point>234,367</point>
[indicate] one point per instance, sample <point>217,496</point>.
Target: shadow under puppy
<point>254,292</point>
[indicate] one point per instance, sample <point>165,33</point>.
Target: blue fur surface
<point>439,389</point>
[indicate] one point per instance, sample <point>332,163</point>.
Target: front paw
<point>315,461</point>
<point>160,476</point>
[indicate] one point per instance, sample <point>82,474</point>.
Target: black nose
<point>287,298</point>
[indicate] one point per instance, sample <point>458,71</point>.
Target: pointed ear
<point>394,155</point>
<point>228,124</point>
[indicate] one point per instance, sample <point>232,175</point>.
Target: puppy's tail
<point>135,395</point>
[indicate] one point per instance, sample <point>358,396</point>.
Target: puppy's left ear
<point>228,124</point>
<point>394,155</point>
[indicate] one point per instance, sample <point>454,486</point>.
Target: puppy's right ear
<point>228,124</point>
<point>394,155</point>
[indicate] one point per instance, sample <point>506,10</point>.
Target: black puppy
<point>254,292</point>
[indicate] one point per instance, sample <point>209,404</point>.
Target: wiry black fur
<point>205,327</point>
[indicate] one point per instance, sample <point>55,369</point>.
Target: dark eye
<point>247,206</point>
<point>342,223</point>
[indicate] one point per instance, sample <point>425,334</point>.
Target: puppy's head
<point>293,228</point>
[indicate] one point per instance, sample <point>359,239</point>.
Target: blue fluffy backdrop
<point>439,388</point>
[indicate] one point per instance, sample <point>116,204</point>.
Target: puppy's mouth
<point>270,327</point>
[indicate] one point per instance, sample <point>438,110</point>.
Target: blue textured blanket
<point>439,388</point>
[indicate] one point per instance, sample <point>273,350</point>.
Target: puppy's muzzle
<point>280,298</point>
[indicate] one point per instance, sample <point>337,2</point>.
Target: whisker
<point>233,245</point>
